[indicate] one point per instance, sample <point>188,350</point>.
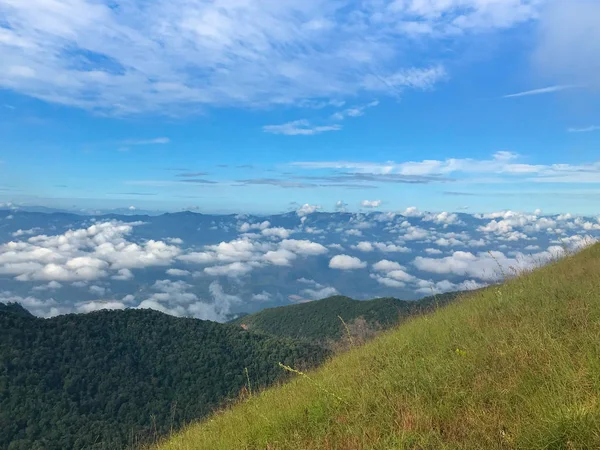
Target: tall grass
<point>514,366</point>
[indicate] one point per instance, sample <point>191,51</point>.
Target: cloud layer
<point>229,264</point>
<point>130,56</point>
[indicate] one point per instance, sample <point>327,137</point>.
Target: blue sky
<point>261,106</point>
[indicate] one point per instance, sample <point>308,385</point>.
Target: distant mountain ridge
<point>111,379</point>
<point>319,320</point>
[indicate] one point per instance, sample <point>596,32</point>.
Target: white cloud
<point>340,206</point>
<point>52,285</point>
<point>320,292</point>
<point>178,272</point>
<point>176,55</point>
<point>388,282</point>
<point>97,290</point>
<point>412,211</point>
<point>245,227</point>
<point>84,254</point>
<point>303,247</point>
<point>584,129</point>
<point>494,266</point>
<point>154,141</point>
<point>123,274</point>
<point>300,127</point>
<point>541,91</point>
<point>278,232</point>
<point>36,306</point>
<point>364,246</point>
<point>29,232</point>
<point>262,297</point>
<point>443,242</point>
<point>370,203</point>
<point>439,287</point>
<point>280,257</point>
<point>443,218</point>
<point>503,164</point>
<point>233,270</point>
<point>356,111</point>
<point>98,305</point>
<point>307,209</point>
<point>387,266</point>
<point>346,262</point>
<point>353,232</point>
<point>415,234</point>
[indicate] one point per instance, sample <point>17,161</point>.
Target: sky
<point>263,106</point>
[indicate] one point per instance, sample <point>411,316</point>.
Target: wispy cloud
<point>503,165</point>
<point>541,91</point>
<point>585,129</point>
<point>178,56</point>
<point>192,174</point>
<point>300,127</point>
<point>356,111</point>
<point>155,141</point>
<point>198,181</point>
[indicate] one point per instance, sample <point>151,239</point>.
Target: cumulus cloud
<point>85,254</point>
<point>281,257</point>
<point>425,287</point>
<point>494,265</point>
<point>364,246</point>
<point>277,232</point>
<point>307,209</point>
<point>28,232</point>
<point>340,206</point>
<point>98,305</point>
<point>39,307</point>
<point>178,272</point>
<point>346,262</point>
<point>303,247</point>
<point>245,227</point>
<point>319,292</point>
<point>234,269</point>
<point>443,218</point>
<point>386,266</point>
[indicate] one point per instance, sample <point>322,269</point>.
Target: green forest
<point>319,321</point>
<point>115,379</point>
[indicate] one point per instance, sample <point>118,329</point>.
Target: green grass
<point>512,366</point>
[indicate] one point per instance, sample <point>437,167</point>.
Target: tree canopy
<point>113,379</point>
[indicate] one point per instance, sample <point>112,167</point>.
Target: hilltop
<point>319,321</point>
<point>111,379</point>
<point>513,366</point>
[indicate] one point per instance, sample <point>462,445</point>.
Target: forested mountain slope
<point>110,379</point>
<point>319,320</point>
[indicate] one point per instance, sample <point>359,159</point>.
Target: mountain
<point>319,320</point>
<point>111,379</point>
<point>514,366</point>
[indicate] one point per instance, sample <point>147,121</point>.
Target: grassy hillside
<point>513,366</point>
<point>112,378</point>
<point>319,320</point>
